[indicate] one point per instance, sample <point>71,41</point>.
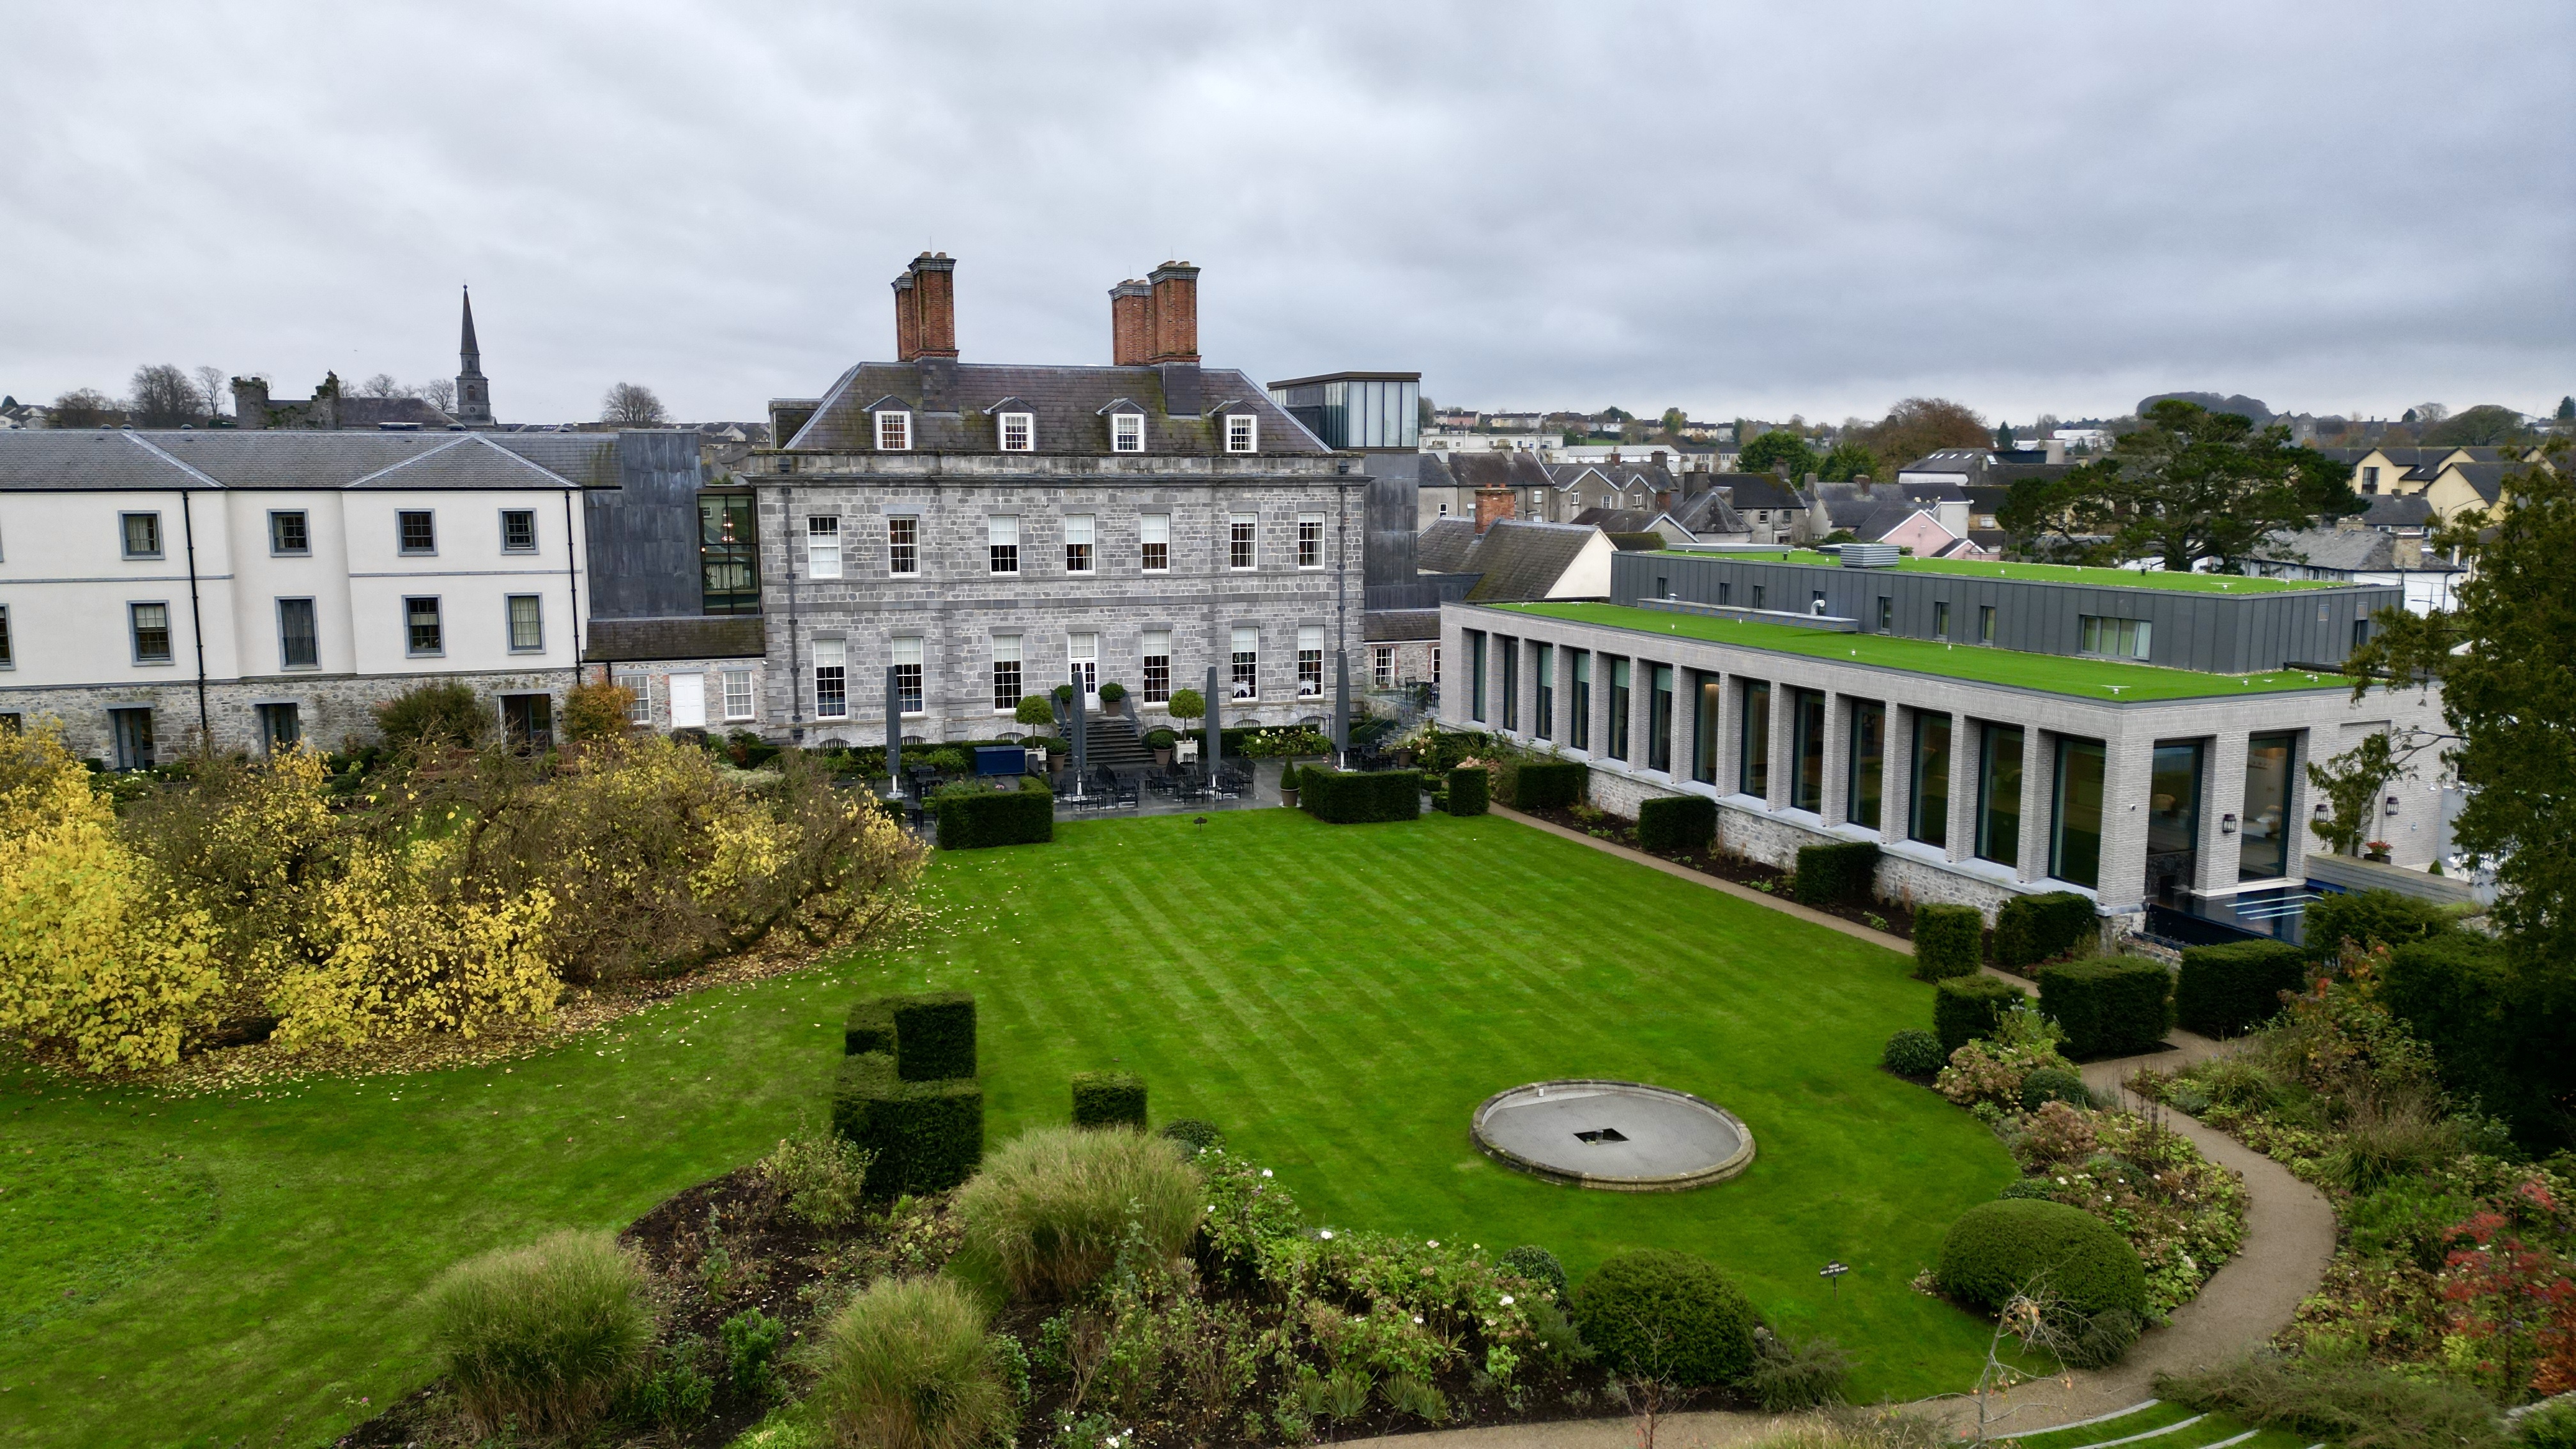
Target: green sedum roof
<point>2036,573</point>
<point>2101,679</point>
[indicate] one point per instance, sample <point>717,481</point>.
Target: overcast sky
<point>1804,207</point>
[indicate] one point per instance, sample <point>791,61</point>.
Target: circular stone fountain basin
<point>1619,1136</point>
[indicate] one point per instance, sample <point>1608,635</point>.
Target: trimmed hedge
<point>2497,1029</point>
<point>870,1027</point>
<point>1469,790</point>
<point>1676,824</point>
<point>1837,874</point>
<point>2053,1084</point>
<point>2111,1006</point>
<point>1912,1053</point>
<point>980,819</point>
<point>2032,929</point>
<point>1549,785</point>
<point>1109,1099</point>
<point>1966,1007</point>
<point>1538,1266</point>
<point>934,1033</point>
<point>1997,1249</point>
<point>2230,990</point>
<point>925,1136</point>
<point>1671,1316</point>
<point>1948,941</point>
<point>1359,797</point>
<point>2366,916</point>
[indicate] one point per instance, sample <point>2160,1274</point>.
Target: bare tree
<point>164,397</point>
<point>214,389</point>
<point>85,407</point>
<point>438,392</point>
<point>382,385</point>
<point>632,405</point>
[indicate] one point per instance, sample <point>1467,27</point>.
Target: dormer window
<point>1242,433</point>
<point>1019,432</point>
<point>1126,432</point>
<point>894,431</point>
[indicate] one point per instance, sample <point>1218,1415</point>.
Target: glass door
<point>2173,821</point>
<point>2263,839</point>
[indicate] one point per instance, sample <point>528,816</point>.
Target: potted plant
<point>1160,741</point>
<point>1288,784</point>
<point>2376,850</point>
<point>1186,704</point>
<point>1112,695</point>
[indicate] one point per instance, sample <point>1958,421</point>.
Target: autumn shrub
<point>1050,1205</point>
<point>442,713</point>
<point>99,956</point>
<point>597,710</point>
<point>907,1366</point>
<point>541,1337</point>
<point>2056,1133</point>
<point>818,1176</point>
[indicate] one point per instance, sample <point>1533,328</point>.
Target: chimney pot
<point>1492,504</point>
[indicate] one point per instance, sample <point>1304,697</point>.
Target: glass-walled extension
<point>1659,720</point>
<point>1619,710</point>
<point>2173,820</point>
<point>2075,819</point>
<point>1928,781</point>
<point>1753,767</point>
<point>1579,664</point>
<point>1544,727</point>
<point>2263,839</point>
<point>1807,750</point>
<point>1510,650</point>
<point>1868,764</point>
<point>1475,642</point>
<point>1711,696</point>
<point>728,554</point>
<point>1999,794</point>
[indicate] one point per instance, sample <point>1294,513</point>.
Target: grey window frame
<point>125,535</point>
<point>438,610</point>
<point>134,632</point>
<point>303,525</point>
<point>532,545</point>
<point>905,550</point>
<point>1310,549</point>
<point>402,531</point>
<point>510,622</point>
<point>1242,542</point>
<point>313,616</point>
<point>993,552</point>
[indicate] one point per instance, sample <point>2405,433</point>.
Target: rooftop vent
<point>1869,555</point>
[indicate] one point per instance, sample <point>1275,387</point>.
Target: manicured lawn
<point>1338,998</point>
<point>2101,679</point>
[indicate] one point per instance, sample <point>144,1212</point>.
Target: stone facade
<point>332,711</point>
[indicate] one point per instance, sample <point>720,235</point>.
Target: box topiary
<point>1355,798</point>
<point>1666,1315</point>
<point>1948,941</point>
<point>2032,929</point>
<point>977,819</point>
<point>1966,1007</point>
<point>1469,787</point>
<point>1836,874</point>
<point>870,1027</point>
<point>1997,1249</point>
<point>1914,1053</point>
<point>2230,990</point>
<point>1549,784</point>
<point>934,1034</point>
<point>2111,1006</point>
<point>1195,1135</point>
<point>2053,1084</point>
<point>1537,1266</point>
<point>1676,824</point>
<point>1109,1099</point>
<point>925,1136</point>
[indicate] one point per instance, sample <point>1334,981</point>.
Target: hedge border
<point>2110,1006</point>
<point>1109,1099</point>
<point>2229,990</point>
<point>1948,941</point>
<point>1675,824</point>
<point>1347,797</point>
<point>923,1136</point>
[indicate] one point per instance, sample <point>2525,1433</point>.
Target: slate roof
<point>2486,478</point>
<point>740,636</point>
<point>2347,550</point>
<point>951,406</point>
<point>2398,510</point>
<point>1758,490</point>
<point>1707,512</point>
<point>1515,469</point>
<point>1521,559</point>
<point>1389,626</point>
<point>1619,520</point>
<point>50,461</point>
<point>1625,474</point>
<point>1443,547</point>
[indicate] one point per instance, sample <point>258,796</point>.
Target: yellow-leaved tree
<point>98,957</point>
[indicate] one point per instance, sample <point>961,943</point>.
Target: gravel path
<point>2289,1235</point>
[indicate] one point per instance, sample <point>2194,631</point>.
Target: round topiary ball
<point>1538,1265</point>
<point>2000,1248</point>
<point>1669,1315</point>
<point>1913,1053</point>
<point>2053,1084</point>
<point>1194,1135</point>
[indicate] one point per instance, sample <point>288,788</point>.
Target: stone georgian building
<point>986,530</point>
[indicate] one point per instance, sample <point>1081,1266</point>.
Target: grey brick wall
<point>334,711</point>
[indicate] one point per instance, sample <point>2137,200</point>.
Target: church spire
<point>473,390</point>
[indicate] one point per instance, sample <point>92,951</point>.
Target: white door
<point>1086,657</point>
<point>688,701</point>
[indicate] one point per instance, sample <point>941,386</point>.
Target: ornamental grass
<point>542,1336</point>
<point>1051,1205</point>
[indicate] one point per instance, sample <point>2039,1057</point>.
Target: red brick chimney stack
<point>1131,323</point>
<point>907,318</point>
<point>1492,504</point>
<point>1175,312</point>
<point>933,293</point>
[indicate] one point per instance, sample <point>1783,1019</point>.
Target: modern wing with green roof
<point>2095,578</point>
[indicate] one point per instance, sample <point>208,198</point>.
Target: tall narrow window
<point>1310,661</point>
<point>1543,724</point>
<point>142,534</point>
<point>8,651</point>
<point>1154,542</point>
<point>527,624</point>
<point>1077,543</point>
<point>903,545</point>
<point>287,533</point>
<point>1985,623</point>
<point>1807,750</point>
<point>1753,765</point>
<point>639,697</point>
<point>1243,533</point>
<point>2264,843</point>
<point>1382,665</point>
<point>279,727</point>
<point>1002,537</point>
<point>2075,827</point>
<point>1158,666</point>
<point>518,530</point>
<point>1006,672</point>
<point>894,431</point>
<point>1886,614</point>
<point>906,659</point>
<point>1927,816</point>
<point>1435,666</point>
<point>1474,641</point>
<point>417,530</point>
<point>151,629</point>
<point>823,546</point>
<point>831,679</point>
<point>1310,540</point>
<point>1659,719</point>
<point>1126,432</point>
<point>1084,651</point>
<point>1246,662</point>
<point>1706,702</point>
<point>1508,651</point>
<point>1999,794</point>
<point>1941,620</point>
<point>1242,433</point>
<point>1579,728</point>
<point>1019,432</point>
<point>1861,792</point>
<point>737,694</point>
<point>1761,596</point>
<point>297,645</point>
<point>1619,710</point>
<point>424,632</point>
<point>728,554</point>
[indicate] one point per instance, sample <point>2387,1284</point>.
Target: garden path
<point>2289,1236</point>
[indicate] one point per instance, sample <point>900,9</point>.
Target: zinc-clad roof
<point>950,405</point>
<point>290,459</point>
